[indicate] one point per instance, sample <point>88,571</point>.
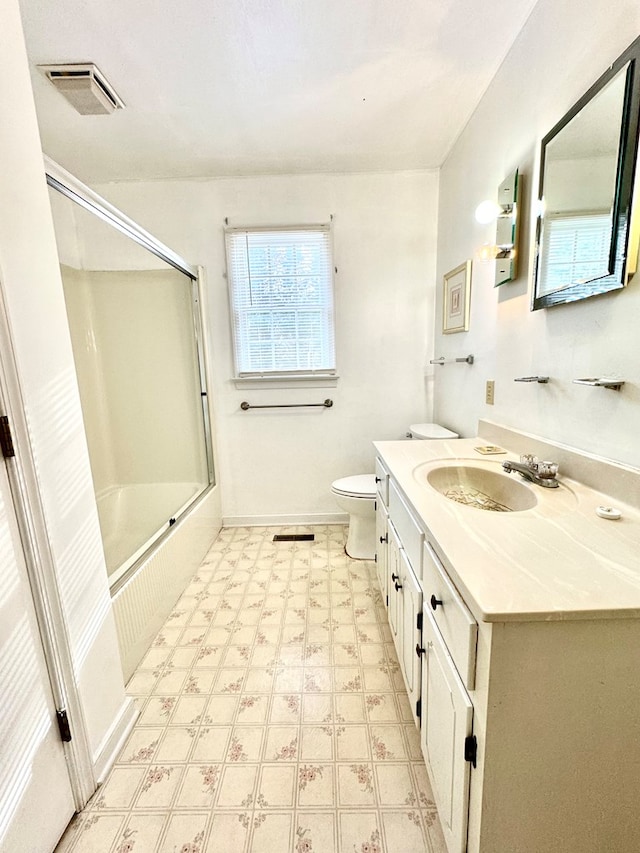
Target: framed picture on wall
<point>456,299</point>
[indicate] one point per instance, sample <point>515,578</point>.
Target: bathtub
<point>133,516</point>
<point>149,560</point>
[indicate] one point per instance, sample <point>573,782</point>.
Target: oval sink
<point>482,488</point>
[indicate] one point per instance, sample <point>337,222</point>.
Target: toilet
<point>356,495</point>
<point>431,431</point>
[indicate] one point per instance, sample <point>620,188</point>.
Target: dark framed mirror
<point>587,173</point>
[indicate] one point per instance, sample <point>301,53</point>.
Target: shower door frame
<point>69,186</point>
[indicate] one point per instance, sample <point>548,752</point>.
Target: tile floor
<point>273,716</point>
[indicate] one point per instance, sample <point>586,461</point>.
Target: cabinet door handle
<point>420,651</point>
<point>397,586</point>
<point>384,538</point>
<point>434,602</point>
<point>395,577</point>
<point>378,480</point>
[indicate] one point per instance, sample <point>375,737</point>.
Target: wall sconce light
<point>505,214</point>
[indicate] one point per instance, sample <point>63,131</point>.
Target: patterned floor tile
<point>273,716</point>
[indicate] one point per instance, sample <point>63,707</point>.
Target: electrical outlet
<point>489,392</point>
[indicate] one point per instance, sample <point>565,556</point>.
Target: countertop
<point>557,561</point>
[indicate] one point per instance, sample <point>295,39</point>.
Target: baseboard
<point>304,519</point>
<point>115,739</point>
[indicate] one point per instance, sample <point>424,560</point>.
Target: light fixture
<point>487,211</point>
<point>505,214</point>
<point>85,87</point>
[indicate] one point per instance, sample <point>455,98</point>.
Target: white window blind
<point>577,249</point>
<point>281,288</point>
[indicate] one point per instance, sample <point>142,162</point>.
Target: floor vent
<point>294,537</point>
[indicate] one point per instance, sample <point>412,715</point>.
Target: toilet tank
<point>431,431</point>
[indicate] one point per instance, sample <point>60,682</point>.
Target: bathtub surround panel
<point>134,347</point>
<point>279,464</point>
<point>562,50</point>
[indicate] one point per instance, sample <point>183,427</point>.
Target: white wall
<point>282,462</point>
<point>35,304</point>
<point>562,50</point>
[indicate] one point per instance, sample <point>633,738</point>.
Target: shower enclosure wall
<point>135,323</point>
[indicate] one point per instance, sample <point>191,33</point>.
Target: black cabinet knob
<point>384,539</point>
<point>419,650</point>
<point>378,480</point>
<point>434,602</point>
<point>397,586</point>
<point>395,577</point>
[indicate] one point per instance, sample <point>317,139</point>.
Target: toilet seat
<point>358,486</point>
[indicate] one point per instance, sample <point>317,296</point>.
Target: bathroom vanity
<point>518,635</point>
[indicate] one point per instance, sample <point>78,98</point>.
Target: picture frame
<point>456,299</point>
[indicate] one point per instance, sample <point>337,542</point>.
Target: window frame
<point>325,375</point>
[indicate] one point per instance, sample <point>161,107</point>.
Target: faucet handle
<point>547,470</point>
<point>530,461</point>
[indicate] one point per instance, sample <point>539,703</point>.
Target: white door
<point>36,800</point>
<point>382,538</point>
<point>447,720</point>
<point>411,659</point>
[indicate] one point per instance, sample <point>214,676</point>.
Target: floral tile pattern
<point>273,716</point>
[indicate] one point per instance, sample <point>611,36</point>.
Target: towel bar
<point>327,405</point>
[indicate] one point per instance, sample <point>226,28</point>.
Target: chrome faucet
<point>540,473</point>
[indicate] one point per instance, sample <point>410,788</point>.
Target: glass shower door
<point>134,324</point>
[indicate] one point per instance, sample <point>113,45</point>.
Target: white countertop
<point>556,561</point>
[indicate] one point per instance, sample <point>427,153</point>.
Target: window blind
<point>281,289</point>
<point>577,249</point>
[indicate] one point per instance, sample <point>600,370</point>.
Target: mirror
<point>587,169</point>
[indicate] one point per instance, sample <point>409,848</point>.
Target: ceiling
<point>247,87</point>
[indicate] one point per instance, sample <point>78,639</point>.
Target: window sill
<point>309,380</point>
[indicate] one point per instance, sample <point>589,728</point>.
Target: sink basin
<point>481,487</point>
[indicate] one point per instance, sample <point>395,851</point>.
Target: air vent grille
<point>85,87</point>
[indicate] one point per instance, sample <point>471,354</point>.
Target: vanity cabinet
<point>525,682</point>
<point>446,736</point>
<point>404,593</point>
<point>436,648</point>
<point>382,538</point>
<point>394,569</point>
<point>410,640</point>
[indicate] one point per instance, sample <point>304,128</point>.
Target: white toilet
<point>431,431</point>
<point>357,494</point>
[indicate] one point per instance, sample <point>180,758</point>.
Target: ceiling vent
<point>85,87</point>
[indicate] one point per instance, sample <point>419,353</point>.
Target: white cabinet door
<point>382,539</point>
<point>447,720</point>
<point>411,627</point>
<point>393,585</point>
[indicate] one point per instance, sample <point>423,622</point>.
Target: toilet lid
<point>358,486</point>
<point>431,431</point>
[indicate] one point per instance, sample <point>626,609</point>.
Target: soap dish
<point>608,512</point>
<point>489,450</point>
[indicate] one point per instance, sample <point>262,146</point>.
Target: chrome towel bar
<point>327,405</point>
<point>442,360</point>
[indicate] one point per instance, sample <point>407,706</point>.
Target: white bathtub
<point>147,584</point>
<point>133,516</point>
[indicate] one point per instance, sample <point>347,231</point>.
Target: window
<point>281,288</point>
<point>577,249</point>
